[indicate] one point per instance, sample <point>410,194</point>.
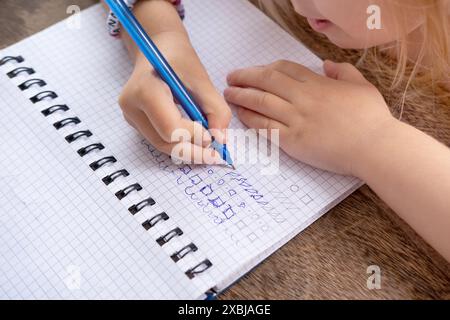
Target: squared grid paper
<point>88,70</point>
<point>55,216</point>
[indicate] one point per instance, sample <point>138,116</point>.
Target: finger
<point>186,152</point>
<point>164,115</point>
<point>343,71</point>
<point>126,103</point>
<point>129,121</point>
<point>195,130</point>
<point>266,79</point>
<point>214,107</point>
<point>294,70</point>
<point>256,120</point>
<point>260,101</point>
<point>183,151</point>
<point>144,126</point>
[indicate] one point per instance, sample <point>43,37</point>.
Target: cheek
<point>350,19</point>
<point>306,8</point>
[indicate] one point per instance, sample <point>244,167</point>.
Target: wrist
<point>377,146</point>
<point>161,21</point>
<point>158,16</point>
<point>173,45</point>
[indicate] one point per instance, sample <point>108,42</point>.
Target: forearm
<point>158,17</point>
<point>410,171</point>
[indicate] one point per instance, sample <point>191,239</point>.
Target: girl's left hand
<point>325,121</point>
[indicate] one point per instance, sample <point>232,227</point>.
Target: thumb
<point>343,71</point>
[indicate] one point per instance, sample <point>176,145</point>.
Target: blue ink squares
<point>196,180</point>
<point>207,190</point>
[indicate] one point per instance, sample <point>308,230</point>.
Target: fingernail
<point>230,75</point>
<point>207,140</point>
<point>227,93</point>
<point>212,158</point>
<point>219,136</point>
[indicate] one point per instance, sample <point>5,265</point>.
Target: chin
<point>346,42</point>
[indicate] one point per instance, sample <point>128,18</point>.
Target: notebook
<point>90,210</point>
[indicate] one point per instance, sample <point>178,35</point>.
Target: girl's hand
<point>327,122</point>
<point>147,102</point>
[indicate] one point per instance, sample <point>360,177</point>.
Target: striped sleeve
<point>114,24</point>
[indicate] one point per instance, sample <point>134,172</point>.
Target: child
<point>338,122</point>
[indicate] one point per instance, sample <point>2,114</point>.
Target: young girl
<point>338,122</point>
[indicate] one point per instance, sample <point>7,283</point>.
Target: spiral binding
<point>125,192</point>
<point>29,83</point>
<point>65,122</point>
<point>77,135</point>
<point>44,95</point>
<point>86,150</point>
<point>141,205</point>
<point>177,256</point>
<point>55,108</point>
<point>112,177</point>
<point>14,73</point>
<point>100,163</point>
<point>177,232</point>
<point>150,223</point>
<point>18,59</point>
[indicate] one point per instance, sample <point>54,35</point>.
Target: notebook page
<point>233,35</point>
<point>233,217</point>
<point>61,235</point>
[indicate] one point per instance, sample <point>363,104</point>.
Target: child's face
<point>345,22</point>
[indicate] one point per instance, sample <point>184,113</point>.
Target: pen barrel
<point>157,60</point>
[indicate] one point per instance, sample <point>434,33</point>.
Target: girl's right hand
<point>148,105</point>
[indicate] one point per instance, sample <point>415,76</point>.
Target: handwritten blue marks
<point>196,180</point>
<point>229,212</point>
<point>219,194</point>
<point>247,187</point>
<point>207,190</point>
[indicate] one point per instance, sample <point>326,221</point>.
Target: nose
<point>306,8</point>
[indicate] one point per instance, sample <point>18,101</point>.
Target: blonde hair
<point>400,76</point>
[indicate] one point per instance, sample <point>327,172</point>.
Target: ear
<point>344,72</point>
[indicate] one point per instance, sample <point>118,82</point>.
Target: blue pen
<point>164,70</point>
